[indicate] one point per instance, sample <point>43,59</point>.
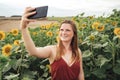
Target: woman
<point>65,58</point>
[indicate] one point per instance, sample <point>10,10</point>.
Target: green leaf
<point>0,75</point>
<point>97,45</point>
<point>42,66</point>
<point>45,74</point>
<point>11,76</point>
<point>86,54</point>
<point>25,65</point>
<point>17,64</point>
<point>115,37</point>
<point>43,61</point>
<point>116,69</point>
<point>102,60</point>
<point>105,44</point>
<point>49,78</point>
<point>118,61</point>
<point>28,75</point>
<point>27,78</point>
<point>100,73</point>
<point>41,78</point>
<point>3,59</point>
<point>6,68</point>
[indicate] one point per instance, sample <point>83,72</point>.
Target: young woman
<point>65,58</point>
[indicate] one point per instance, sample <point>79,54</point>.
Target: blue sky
<point>61,7</point>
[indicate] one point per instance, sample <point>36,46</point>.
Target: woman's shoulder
<point>52,47</point>
<point>79,50</point>
<point>53,52</point>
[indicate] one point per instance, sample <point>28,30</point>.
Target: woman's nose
<point>64,32</point>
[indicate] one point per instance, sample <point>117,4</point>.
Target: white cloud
<point>88,6</point>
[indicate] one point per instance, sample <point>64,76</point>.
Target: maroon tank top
<point>61,71</point>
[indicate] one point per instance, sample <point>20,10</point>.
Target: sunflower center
<point>17,42</point>
<point>15,32</point>
<point>7,50</point>
<point>49,34</point>
<point>99,27</point>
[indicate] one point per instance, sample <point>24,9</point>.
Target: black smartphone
<point>41,12</point>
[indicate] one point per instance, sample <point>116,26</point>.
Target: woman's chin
<point>65,40</point>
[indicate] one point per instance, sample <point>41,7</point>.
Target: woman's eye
<point>61,29</point>
<point>67,30</point>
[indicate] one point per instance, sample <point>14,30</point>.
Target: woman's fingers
<point>30,13</point>
<point>29,9</point>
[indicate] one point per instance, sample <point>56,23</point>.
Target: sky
<point>61,7</point>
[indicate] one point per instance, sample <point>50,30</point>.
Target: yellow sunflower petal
<point>2,35</point>
<point>95,24</point>
<point>49,33</point>
<point>117,31</point>
<point>15,32</point>
<point>16,42</point>
<point>6,50</point>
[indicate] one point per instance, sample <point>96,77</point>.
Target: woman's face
<point>66,32</point>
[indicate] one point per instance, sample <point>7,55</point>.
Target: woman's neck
<point>66,46</point>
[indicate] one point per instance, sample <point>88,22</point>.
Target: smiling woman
<point>65,57</point>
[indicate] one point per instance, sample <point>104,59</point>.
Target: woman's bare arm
<point>81,74</point>
<point>42,52</point>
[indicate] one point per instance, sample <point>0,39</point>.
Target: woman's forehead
<point>66,25</point>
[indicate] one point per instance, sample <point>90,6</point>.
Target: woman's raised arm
<point>42,52</point>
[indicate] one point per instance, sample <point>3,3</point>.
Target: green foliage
<point>99,45</point>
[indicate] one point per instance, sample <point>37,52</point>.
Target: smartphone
<point>41,12</point>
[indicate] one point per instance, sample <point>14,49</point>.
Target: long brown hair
<point>74,43</point>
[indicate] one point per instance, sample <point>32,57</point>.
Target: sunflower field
<point>98,39</point>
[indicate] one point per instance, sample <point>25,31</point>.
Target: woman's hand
<point>24,20</point>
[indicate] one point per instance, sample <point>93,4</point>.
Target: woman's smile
<point>66,32</point>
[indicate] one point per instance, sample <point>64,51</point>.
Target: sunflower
<point>80,40</point>
<point>84,25</point>
<point>6,50</point>
<point>73,18</point>
<point>57,31</point>
<point>92,37</point>
<point>49,33</point>
<point>16,42</point>
<point>57,38</point>
<point>55,24</point>
<point>15,32</point>
<point>95,24</point>
<point>91,17</point>
<point>42,26</point>
<point>117,31</point>
<point>48,66</point>
<point>2,35</point>
<point>48,26</point>
<point>114,23</point>
<point>34,33</point>
<point>100,28</point>
<point>42,31</point>
<point>107,21</point>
